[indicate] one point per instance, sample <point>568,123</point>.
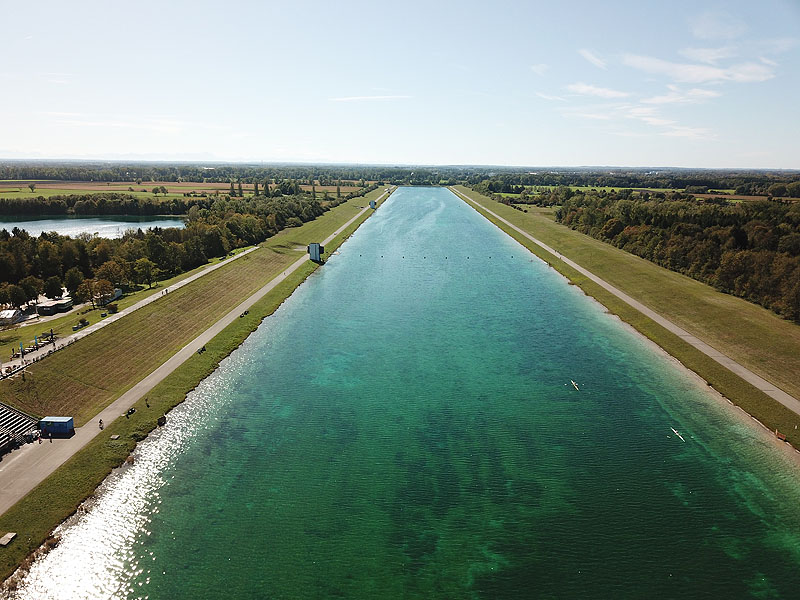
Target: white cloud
<point>776,46</point>
<point>649,115</point>
<point>367,98</point>
<point>549,97</point>
<point>709,55</point>
<point>689,73</point>
<point>688,132</point>
<point>593,116</point>
<point>158,126</point>
<point>592,58</point>
<point>592,90</point>
<point>676,96</point>
<point>716,25</point>
<point>540,69</point>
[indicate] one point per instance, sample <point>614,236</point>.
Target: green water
<point>405,427</point>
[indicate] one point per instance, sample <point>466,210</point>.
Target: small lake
<point>107,226</point>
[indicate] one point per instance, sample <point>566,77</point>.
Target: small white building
<point>11,316</point>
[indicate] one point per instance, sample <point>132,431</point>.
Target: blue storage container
<point>57,425</point>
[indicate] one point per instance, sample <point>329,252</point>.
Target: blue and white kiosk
<point>315,251</point>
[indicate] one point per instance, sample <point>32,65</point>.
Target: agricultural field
<point>47,188</point>
<point>85,377</point>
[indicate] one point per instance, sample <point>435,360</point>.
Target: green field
<point>24,192</point>
<point>80,381</point>
<point>56,498</point>
<point>750,334</point>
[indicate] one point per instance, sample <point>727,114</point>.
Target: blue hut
<point>372,204</point>
<point>57,425</point>
<point>315,251</point>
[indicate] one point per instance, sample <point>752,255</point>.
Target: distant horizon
<point>279,163</point>
<point>568,83</point>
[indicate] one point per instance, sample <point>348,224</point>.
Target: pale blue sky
<point>634,83</point>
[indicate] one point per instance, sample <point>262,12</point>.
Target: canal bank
<point>770,405</point>
<point>405,425</point>
<point>94,453</point>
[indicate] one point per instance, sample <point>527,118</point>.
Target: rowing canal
<point>405,426</point>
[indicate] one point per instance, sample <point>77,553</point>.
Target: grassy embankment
<point>750,334</point>
<point>62,325</point>
<point>52,501</point>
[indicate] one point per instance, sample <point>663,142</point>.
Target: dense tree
<point>748,249</point>
<point>112,271</point>
<point>145,270</point>
<point>102,290</point>
<point>53,288</point>
<point>84,292</point>
<point>33,286</point>
<point>73,279</point>
<point>17,295</point>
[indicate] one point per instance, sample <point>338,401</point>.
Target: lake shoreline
<point>103,226</point>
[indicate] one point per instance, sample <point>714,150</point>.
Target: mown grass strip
<point>60,495</point>
<point>62,326</point>
<point>765,409</point>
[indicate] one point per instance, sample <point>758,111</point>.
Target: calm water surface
<point>111,226</point>
<point>404,426</point>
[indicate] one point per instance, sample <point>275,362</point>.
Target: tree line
<point>749,249</point>
<point>88,267</point>
<point>102,203</point>
<point>778,184</point>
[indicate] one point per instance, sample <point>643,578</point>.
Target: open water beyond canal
<point>107,226</point>
<point>405,426</point>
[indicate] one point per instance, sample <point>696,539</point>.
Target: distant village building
<point>51,307</point>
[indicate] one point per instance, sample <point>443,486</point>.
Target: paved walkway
<point>762,384</point>
<point>24,469</point>
<point>46,349</point>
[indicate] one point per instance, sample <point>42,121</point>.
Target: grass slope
<point>751,335</point>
